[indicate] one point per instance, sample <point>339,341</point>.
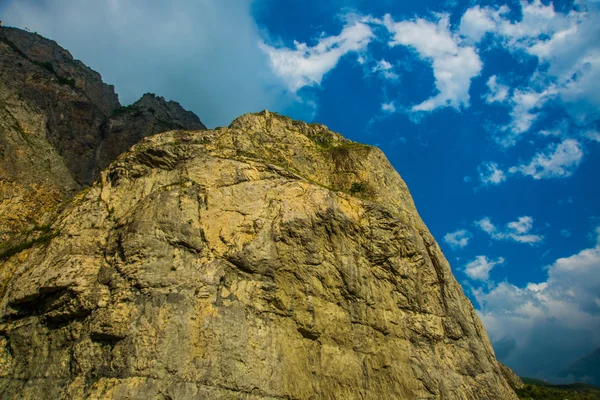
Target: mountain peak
<point>60,126</point>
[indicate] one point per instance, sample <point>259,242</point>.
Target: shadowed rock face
<point>60,125</point>
<point>268,260</point>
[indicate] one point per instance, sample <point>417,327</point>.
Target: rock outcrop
<point>268,260</point>
<point>59,126</point>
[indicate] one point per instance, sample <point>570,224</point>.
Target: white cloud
<point>537,19</point>
<point>203,54</point>
<point>388,107</point>
<point>486,225</point>
<point>479,269</point>
<point>304,65</point>
<point>582,93</point>
<point>517,231</point>
<point>454,64</point>
<point>385,69</point>
<point>458,239</point>
<point>525,106</point>
<point>592,135</point>
<point>540,316</point>
<point>498,92</point>
<point>491,174</point>
<point>565,43</point>
<point>556,161</point>
<point>477,21</point>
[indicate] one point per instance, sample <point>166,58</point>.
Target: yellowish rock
<point>268,260</point>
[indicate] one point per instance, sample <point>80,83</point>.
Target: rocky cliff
<point>268,260</point>
<point>59,126</point>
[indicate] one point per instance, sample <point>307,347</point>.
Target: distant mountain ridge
<point>60,125</point>
<point>585,370</point>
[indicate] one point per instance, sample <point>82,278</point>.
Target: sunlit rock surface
<point>268,260</point>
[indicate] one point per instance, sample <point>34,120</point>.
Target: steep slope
<point>585,370</point>
<point>147,116</point>
<point>268,260</point>
<point>59,126</point>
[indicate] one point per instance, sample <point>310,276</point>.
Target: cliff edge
<point>271,259</point>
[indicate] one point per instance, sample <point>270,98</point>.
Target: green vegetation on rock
<point>536,389</point>
<point>9,249</point>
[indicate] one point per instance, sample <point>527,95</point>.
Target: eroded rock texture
<point>268,260</point>
<point>59,126</point>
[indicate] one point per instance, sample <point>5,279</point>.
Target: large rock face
<point>59,126</point>
<point>268,260</point>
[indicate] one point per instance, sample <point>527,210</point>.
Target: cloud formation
<point>498,92</point>
<point>458,239</point>
<point>541,316</point>
<point>203,54</point>
<point>479,269</point>
<point>556,161</point>
<point>385,69</point>
<point>454,64</point>
<point>491,174</point>
<point>305,65</point>
<point>566,47</point>
<point>517,231</point>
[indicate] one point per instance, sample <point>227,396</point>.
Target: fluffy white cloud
<point>458,239</point>
<point>556,161</point>
<point>537,19</point>
<point>491,174</point>
<point>203,54</point>
<point>479,269</point>
<point>454,64</point>
<point>304,65</point>
<point>498,92</point>
<point>477,21</point>
<point>566,45</point>
<point>538,318</point>
<point>517,231</point>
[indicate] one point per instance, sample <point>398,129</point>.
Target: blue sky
<point>489,111</point>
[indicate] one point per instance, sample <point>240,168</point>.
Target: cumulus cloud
<point>556,161</point>
<point>305,65</point>
<point>458,239</point>
<point>203,54</point>
<point>537,19</point>
<point>477,21</point>
<point>539,317</point>
<point>517,231</point>
<point>497,91</point>
<point>565,44</point>
<point>491,174</point>
<point>479,269</point>
<point>454,64</point>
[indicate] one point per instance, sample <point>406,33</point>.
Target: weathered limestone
<point>268,260</point>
